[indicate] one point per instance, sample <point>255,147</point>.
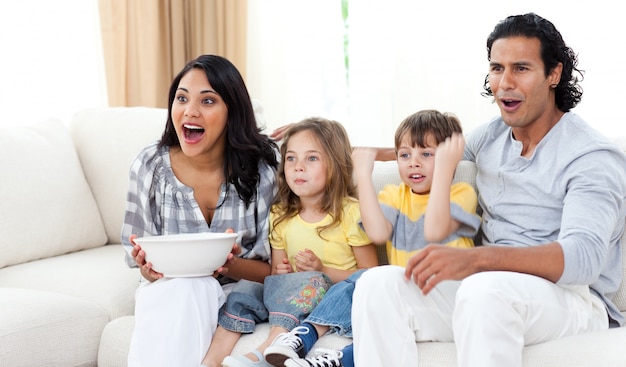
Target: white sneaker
<point>329,358</point>
<point>286,345</point>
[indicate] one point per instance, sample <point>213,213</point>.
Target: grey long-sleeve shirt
<point>571,190</point>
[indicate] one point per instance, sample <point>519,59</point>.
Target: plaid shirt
<point>158,204</point>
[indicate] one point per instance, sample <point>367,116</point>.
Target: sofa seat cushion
<point>580,350</point>
<point>45,197</point>
<point>115,342</point>
<point>99,275</point>
<point>116,336</point>
<point>54,329</point>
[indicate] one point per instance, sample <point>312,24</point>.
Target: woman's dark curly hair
<point>246,147</point>
<point>553,51</point>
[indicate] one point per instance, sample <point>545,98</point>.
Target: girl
<point>211,171</point>
<point>314,233</point>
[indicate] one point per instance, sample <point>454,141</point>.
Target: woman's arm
<point>255,270</point>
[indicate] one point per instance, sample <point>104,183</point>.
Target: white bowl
<point>187,254</point>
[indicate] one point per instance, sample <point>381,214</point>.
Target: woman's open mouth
<point>192,132</point>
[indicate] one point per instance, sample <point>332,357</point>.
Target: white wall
<point>51,60</point>
<point>409,55</point>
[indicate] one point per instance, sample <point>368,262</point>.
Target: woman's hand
<point>307,261</point>
<point>140,259</point>
<point>231,259</point>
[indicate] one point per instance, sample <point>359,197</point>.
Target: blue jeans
<point>335,310</point>
<point>285,300</point>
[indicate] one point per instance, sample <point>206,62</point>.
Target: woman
<point>211,171</point>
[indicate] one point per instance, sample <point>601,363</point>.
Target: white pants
<point>175,319</point>
<point>491,316</point>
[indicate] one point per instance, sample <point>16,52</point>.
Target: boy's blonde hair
<point>424,122</point>
<point>336,151</point>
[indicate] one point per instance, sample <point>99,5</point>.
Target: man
<point>552,193</point>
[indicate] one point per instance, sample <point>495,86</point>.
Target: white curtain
<point>407,55</point>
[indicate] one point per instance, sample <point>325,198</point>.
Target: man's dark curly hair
<point>246,146</point>
<point>553,51</point>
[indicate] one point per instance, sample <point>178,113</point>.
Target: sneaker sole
<point>277,360</point>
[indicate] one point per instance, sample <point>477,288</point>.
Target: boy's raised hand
<point>363,161</point>
<point>450,152</point>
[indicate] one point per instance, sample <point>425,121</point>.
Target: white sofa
<point>66,295</point>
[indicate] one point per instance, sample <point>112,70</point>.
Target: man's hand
<point>280,132</point>
<point>435,263</point>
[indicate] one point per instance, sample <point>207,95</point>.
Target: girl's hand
<point>307,261</point>
<point>140,259</point>
<point>231,259</point>
<point>284,267</point>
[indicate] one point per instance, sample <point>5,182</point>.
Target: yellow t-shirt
<point>334,249</point>
<point>405,211</point>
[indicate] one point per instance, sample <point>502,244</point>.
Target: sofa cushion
<point>115,342</point>
<point>44,196</point>
<point>107,140</point>
<point>47,329</point>
<point>580,350</point>
<point>99,275</point>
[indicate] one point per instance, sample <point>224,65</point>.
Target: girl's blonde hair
<point>337,153</point>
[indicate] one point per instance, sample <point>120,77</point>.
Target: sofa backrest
<point>46,206</point>
<point>107,140</point>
